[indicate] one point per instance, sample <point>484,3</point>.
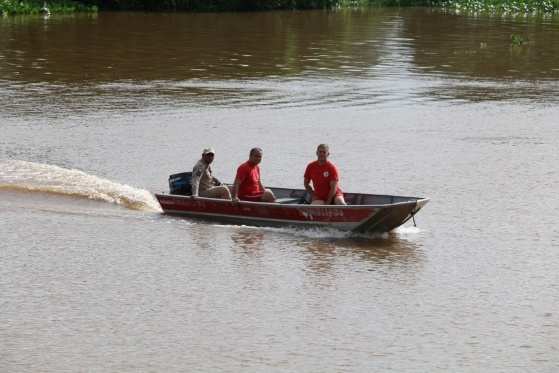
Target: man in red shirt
<point>324,177</point>
<point>247,185</point>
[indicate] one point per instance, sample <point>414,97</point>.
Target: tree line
<point>35,6</point>
<point>65,6</point>
<point>212,5</point>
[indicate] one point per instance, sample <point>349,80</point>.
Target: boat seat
<point>288,200</point>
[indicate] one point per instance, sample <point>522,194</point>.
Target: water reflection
<point>325,258</point>
<point>130,61</point>
<point>128,46</point>
<point>203,237</point>
<point>249,241</point>
<point>480,46</point>
<point>386,249</point>
<point>329,261</point>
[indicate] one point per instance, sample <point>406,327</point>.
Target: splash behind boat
<point>364,213</point>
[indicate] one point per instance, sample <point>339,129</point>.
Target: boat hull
<point>354,218</point>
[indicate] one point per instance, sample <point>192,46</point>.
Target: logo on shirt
<point>326,174</point>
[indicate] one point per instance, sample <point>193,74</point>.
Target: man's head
<point>255,155</point>
<point>322,152</point>
<point>208,155</point>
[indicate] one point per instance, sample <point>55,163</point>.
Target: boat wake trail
<point>332,233</point>
<point>25,176</point>
<point>323,233</point>
<point>407,230</point>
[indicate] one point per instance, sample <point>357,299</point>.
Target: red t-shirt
<point>321,176</point>
<point>249,180</point>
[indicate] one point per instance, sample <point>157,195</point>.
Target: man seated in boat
<point>324,177</point>
<point>203,182</point>
<point>247,185</point>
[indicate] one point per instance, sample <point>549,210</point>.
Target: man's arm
<point>307,183</point>
<point>240,176</point>
<point>195,182</point>
<point>235,189</point>
<point>332,192</point>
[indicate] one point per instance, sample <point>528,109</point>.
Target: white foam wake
<point>319,232</point>
<point>408,230</point>
<point>37,177</point>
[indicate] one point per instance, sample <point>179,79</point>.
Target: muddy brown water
<point>97,110</point>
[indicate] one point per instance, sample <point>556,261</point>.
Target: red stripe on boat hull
<point>254,210</point>
<point>357,218</point>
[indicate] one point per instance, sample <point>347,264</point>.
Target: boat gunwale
<point>416,200</point>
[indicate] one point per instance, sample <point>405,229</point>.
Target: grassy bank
<point>8,7</point>
<point>501,6</point>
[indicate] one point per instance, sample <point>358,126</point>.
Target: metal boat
<point>364,213</point>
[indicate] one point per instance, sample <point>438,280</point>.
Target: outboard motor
<point>181,183</point>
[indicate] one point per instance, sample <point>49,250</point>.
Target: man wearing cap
<point>203,182</point>
<point>247,185</point>
<point>324,177</point>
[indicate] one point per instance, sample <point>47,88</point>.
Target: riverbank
<point>502,7</point>
<point>12,7</point>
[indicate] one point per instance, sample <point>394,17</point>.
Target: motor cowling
<point>181,183</point>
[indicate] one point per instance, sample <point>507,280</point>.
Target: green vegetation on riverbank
<point>9,7</point>
<point>66,6</point>
<point>246,5</point>
<point>501,6</point>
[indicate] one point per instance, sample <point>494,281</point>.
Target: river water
<point>97,110</point>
